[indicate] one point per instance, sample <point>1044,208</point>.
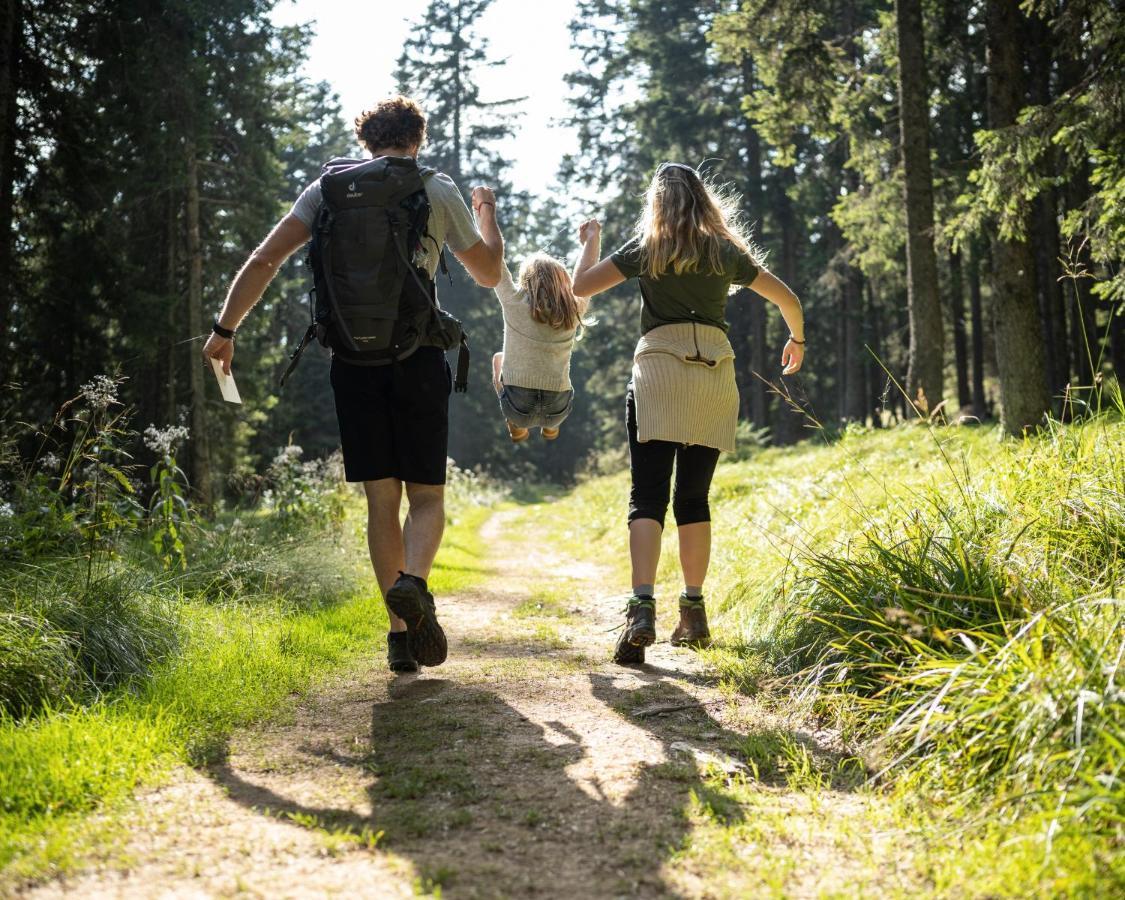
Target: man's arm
<point>486,257</point>
<point>288,236</point>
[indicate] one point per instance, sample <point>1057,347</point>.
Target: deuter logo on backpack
<point>353,191</point>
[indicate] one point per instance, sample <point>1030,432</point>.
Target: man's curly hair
<point>396,122</point>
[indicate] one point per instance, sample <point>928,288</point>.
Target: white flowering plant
<point>169,510</point>
<point>76,488</point>
<point>305,488</point>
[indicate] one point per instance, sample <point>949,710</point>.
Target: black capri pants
<point>651,465</point>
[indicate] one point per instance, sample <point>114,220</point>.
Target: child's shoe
<point>516,433</point>
<point>550,434</point>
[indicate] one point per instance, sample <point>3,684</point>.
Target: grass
<point>257,620</point>
<point>948,604</point>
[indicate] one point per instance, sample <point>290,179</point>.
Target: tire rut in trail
<point>519,768</point>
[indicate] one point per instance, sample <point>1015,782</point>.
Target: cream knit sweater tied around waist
<point>684,386</point>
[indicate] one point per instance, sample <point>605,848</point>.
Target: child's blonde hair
<point>685,223</point>
<point>550,292</point>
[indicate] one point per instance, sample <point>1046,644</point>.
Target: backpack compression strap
<point>461,383</point>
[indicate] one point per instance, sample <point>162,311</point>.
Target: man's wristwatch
<point>223,332</point>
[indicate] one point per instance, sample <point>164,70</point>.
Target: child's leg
<point>497,362</point>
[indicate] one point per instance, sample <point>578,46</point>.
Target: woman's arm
<point>591,277</point>
<point>778,293</point>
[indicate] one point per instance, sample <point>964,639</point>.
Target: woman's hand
<point>481,196</point>
<point>218,347</point>
<point>792,356</point>
<point>589,230</point>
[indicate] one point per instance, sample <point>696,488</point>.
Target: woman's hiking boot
<point>410,601</point>
<point>692,630</point>
<point>399,657</point>
<point>639,632</point>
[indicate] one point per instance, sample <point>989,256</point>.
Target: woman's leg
<point>695,552</point>
<point>695,466</point>
<point>650,465</point>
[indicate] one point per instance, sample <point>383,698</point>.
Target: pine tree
<point>1015,312</point>
<point>438,67</point>
<point>924,375</point>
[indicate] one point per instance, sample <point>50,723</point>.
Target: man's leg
<point>425,525</point>
<point>384,536</point>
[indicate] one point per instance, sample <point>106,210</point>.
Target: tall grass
<point>975,633</point>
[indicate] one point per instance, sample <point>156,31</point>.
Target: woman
<point>681,407</point>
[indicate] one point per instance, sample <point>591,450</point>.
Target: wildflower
<point>100,392</point>
<point>287,454</point>
<point>165,441</point>
<point>6,511</point>
<point>49,462</point>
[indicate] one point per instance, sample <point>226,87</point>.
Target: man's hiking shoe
<point>640,631</point>
<point>399,657</point>
<point>550,434</point>
<point>692,630</point>
<point>410,601</point>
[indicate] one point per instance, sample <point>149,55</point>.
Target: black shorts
<point>394,420</point>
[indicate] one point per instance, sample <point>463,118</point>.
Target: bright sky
<point>356,46</point>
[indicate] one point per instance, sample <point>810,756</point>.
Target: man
<point>394,423</point>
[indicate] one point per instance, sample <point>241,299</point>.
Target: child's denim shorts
<point>532,408</point>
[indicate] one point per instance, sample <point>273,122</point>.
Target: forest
<point>941,187</point>
<point>915,685</point>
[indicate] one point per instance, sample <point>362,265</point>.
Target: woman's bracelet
<point>795,341</point>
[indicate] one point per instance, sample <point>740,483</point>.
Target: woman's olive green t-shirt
<point>691,297</point>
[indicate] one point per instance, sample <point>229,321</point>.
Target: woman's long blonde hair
<point>550,293</point>
<point>685,223</point>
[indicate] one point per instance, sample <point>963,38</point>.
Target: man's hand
<point>219,348</point>
<point>589,230</point>
<point>482,195</point>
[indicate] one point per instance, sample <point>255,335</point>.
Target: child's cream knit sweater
<point>536,356</point>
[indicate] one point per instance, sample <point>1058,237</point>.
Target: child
<point>541,321</point>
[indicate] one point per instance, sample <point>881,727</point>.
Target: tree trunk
<point>171,287</point>
<point>755,199</point>
<point>789,421</point>
<point>200,455</point>
<point>10,40</point>
<point>976,312</point>
<point>1117,342</point>
<point>1018,330</point>
<point>1052,305</point>
<point>876,379</point>
<point>924,372</point>
<point>957,314</point>
<point>855,354</point>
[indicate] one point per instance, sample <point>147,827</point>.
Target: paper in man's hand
<point>226,382</point>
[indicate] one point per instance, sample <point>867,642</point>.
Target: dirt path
<point>528,765</point>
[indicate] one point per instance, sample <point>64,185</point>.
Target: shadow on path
<point>486,802</point>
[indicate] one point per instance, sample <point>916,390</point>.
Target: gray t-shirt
<point>450,222</point>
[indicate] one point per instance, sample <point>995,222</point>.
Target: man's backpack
<point>371,302</point>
